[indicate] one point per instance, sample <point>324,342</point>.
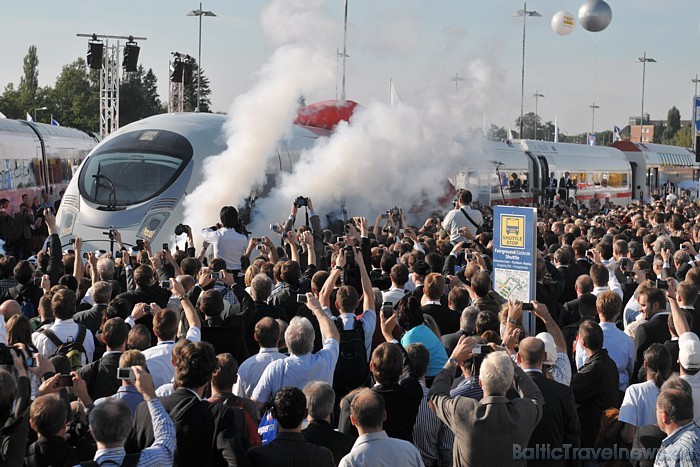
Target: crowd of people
<point>381,345</point>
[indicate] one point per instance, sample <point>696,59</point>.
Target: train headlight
<point>68,219</point>
<point>153,223</point>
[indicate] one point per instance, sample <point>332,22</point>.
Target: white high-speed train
<point>36,158</point>
<point>136,179</point>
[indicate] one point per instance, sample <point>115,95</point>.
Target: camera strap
<point>476,226</point>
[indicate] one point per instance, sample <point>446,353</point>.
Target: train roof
<point>659,154</point>
<point>22,126</point>
<point>577,157</point>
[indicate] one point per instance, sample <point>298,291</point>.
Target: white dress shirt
<point>67,331</point>
<point>251,370</point>
<point>228,245</point>
<point>159,358</point>
<point>393,295</point>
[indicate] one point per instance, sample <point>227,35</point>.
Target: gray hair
<point>663,243</point>
<point>261,287</point>
<point>320,399</point>
<point>105,268</point>
<point>467,322</point>
<point>299,336</point>
<point>101,292</point>
<point>496,374</point>
<point>110,422</point>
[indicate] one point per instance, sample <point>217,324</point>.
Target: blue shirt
<point>423,335</point>
<point>681,448</point>
<point>128,395</point>
<point>621,349</point>
<point>297,370</point>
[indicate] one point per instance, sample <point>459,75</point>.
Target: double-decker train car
<point>658,167</point>
<point>519,171</point>
<point>36,158</point>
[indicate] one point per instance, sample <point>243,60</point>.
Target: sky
<point>420,44</point>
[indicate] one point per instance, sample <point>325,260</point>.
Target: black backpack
<point>73,350</point>
<point>352,369</point>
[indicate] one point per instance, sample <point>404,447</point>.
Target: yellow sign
<point>512,231</point>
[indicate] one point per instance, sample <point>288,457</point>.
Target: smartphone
<point>165,246</point>
<point>216,275</point>
<point>387,310</point>
<point>118,254</point>
<point>147,309</point>
<point>301,298</point>
<point>31,361</point>
<point>72,241</point>
<point>481,349</point>
<point>37,280</point>
<point>256,239</point>
<point>528,307</point>
<point>65,381</point>
<point>275,228</point>
<point>260,246</point>
<point>125,373</point>
<point>165,285</point>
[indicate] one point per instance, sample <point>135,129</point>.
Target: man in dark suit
<point>146,291</point>
<point>401,392</point>
<point>100,376</point>
<point>595,386</point>
<point>652,303</point>
<point>92,317</point>
<point>207,433</point>
<point>559,424</point>
<point>320,399</point>
<point>290,448</point>
<point>467,327</point>
<point>446,319</point>
<point>571,272</point>
<point>580,247</point>
<point>564,184</point>
<point>550,284</point>
<point>550,188</point>
<point>260,289</point>
<point>420,272</point>
<point>570,311</point>
<point>226,332</point>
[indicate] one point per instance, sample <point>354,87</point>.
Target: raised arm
<point>542,313</point>
<point>328,329</point>
<point>679,320</point>
<point>367,290</point>
<point>324,296</point>
<point>190,313</point>
<point>292,239</point>
<point>78,267</point>
<point>308,239</point>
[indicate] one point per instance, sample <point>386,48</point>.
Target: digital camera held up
<point>301,201</point>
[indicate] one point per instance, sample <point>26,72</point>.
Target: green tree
<point>29,81</point>
<point>10,104</point>
<point>138,96</point>
<point>74,100</point>
<point>190,92</point>
<point>673,124</point>
<point>683,137</point>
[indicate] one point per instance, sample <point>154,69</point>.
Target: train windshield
<point>134,168</point>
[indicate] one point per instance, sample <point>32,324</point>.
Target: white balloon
<point>595,15</point>
<point>563,23</point>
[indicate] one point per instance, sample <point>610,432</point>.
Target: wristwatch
<point>453,361</point>
<point>339,268</point>
<point>183,297</point>
<point>512,321</point>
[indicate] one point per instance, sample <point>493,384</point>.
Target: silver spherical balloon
<point>595,15</point>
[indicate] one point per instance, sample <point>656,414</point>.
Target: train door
<point>535,173</point>
<point>635,191</point>
<point>544,172</point>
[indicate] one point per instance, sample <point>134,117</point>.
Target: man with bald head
<point>8,309</point>
<point>374,447</point>
<point>571,314</point>
<point>559,424</point>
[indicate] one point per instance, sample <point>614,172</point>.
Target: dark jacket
<point>290,449</point>
<point>446,319</point>
<point>262,310</point>
<point>595,388</point>
<point>51,451</point>
<point>570,272</point>
<point>320,433</point>
<point>559,424</point>
<point>206,433</point>
<point>653,331</point>
<point>15,428</point>
<point>101,376</point>
<point>91,318</point>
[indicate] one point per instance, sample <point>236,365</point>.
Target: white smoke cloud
<point>259,118</point>
<point>389,155</point>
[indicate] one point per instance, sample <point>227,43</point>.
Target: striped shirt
<point>431,436</point>
<point>681,448</point>
<point>160,453</point>
<point>468,387</point>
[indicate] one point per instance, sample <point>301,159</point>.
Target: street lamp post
<point>199,13</point>
<point>537,98</point>
<point>695,111</point>
<point>593,107</point>
<point>643,60</point>
<point>457,79</point>
<point>524,13</point>
<point>40,108</point>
